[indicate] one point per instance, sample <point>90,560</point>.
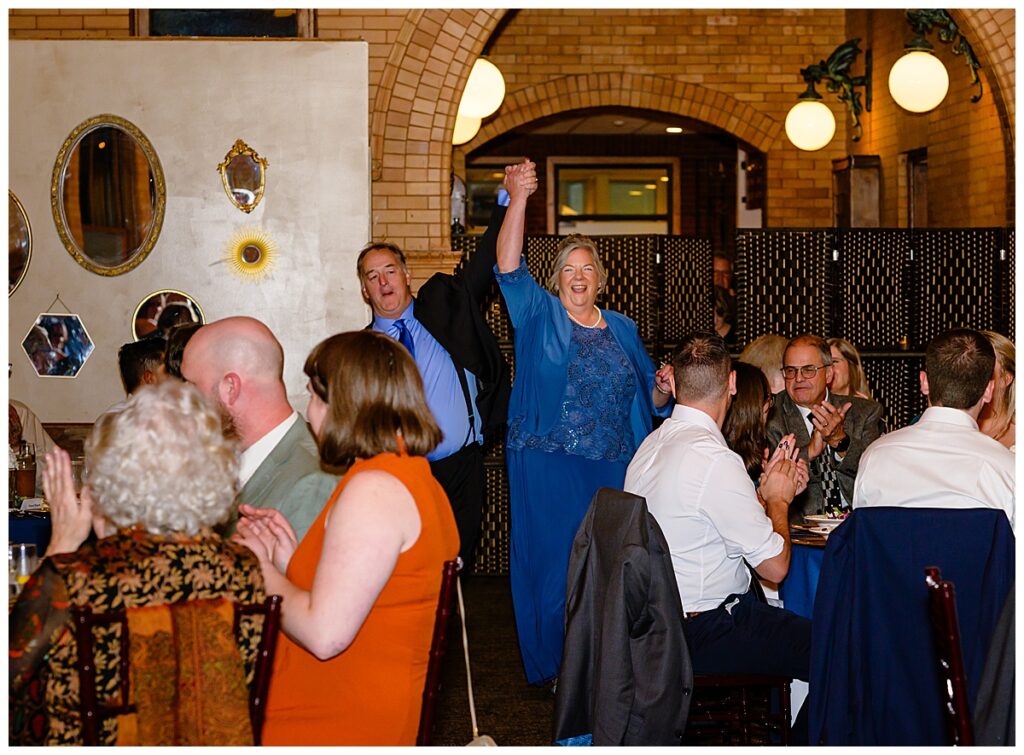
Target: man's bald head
<point>235,344</point>
<point>238,363</point>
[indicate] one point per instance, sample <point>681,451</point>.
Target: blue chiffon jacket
<point>542,334</point>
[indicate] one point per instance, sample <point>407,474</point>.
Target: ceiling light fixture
<point>674,130</point>
<point>484,92</point>
<point>483,95</point>
<point>918,81</point>
<point>465,129</point>
<point>810,124</point>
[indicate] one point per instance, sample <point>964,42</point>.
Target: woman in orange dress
<point>361,589</point>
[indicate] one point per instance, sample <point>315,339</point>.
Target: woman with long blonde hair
<point>999,417</point>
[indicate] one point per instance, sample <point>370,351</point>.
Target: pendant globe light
<point>465,129</point>
<point>918,82</point>
<point>810,124</point>
<point>484,90</point>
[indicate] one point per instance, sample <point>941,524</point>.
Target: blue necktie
<point>405,337</point>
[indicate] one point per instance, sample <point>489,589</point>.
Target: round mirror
<point>108,195</point>
<point>162,310</point>
<point>20,235</point>
<point>243,173</point>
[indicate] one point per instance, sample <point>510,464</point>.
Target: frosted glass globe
<point>810,125</point>
<point>465,129</point>
<point>918,81</point>
<point>484,90</point>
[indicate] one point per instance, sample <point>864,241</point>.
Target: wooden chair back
<point>432,687</point>
<point>949,655</point>
<point>93,713</point>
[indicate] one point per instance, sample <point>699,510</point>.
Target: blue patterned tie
<point>405,337</point>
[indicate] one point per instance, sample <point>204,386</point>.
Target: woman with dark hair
<point>360,591</point>
<point>177,338</point>
<point>744,428</point>
<point>724,316</point>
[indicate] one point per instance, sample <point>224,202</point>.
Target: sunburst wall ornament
<point>250,253</point>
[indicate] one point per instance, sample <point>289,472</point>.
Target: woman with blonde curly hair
<point>159,476</point>
<point>998,418</point>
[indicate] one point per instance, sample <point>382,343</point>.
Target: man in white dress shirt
<point>943,460</point>
<point>238,364</point>
<point>716,522</point>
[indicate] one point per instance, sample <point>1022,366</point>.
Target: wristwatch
<point>843,445</point>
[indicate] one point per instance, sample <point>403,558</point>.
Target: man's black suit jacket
<point>450,307</point>
<point>626,676</point>
<point>863,423</point>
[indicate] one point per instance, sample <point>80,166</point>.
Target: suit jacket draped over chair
<point>874,679</point>
<point>626,675</point>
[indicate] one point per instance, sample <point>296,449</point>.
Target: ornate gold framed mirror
<point>20,234</point>
<point>164,309</point>
<point>244,175</point>
<point>108,195</point>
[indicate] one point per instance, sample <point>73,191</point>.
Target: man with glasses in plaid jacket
<point>831,431</point>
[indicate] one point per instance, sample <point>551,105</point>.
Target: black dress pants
<point>462,477</point>
<point>745,636</point>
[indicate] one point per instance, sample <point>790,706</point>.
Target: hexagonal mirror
<point>57,345</point>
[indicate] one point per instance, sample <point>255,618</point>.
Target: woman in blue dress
<point>582,401</point>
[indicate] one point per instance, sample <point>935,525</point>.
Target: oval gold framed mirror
<point>20,235</point>
<point>244,175</point>
<point>108,195</point>
<point>164,309</point>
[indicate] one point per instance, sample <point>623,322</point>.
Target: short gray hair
<point>816,342</point>
<point>568,246</point>
<point>159,460</point>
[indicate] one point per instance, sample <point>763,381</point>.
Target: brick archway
<point>986,29</point>
<point>632,90</point>
<point>412,120</point>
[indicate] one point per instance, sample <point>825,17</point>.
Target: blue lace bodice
<point>594,417</point>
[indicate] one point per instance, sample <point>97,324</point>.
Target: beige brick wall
<point>72,24</point>
<point>737,69</point>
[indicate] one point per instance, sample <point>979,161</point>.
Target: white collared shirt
<point>706,505</point>
<point>257,453</point>
<point>943,461</point>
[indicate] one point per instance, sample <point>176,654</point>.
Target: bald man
<point>239,365</point>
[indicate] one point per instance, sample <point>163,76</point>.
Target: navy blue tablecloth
<point>29,528</point>
<point>798,588</point>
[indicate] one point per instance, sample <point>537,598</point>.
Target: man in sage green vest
<point>239,365</point>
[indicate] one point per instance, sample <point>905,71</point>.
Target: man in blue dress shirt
<point>465,377</point>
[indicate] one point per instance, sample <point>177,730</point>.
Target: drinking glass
<point>23,561</point>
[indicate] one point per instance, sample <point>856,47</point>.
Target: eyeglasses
<point>807,372</point>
